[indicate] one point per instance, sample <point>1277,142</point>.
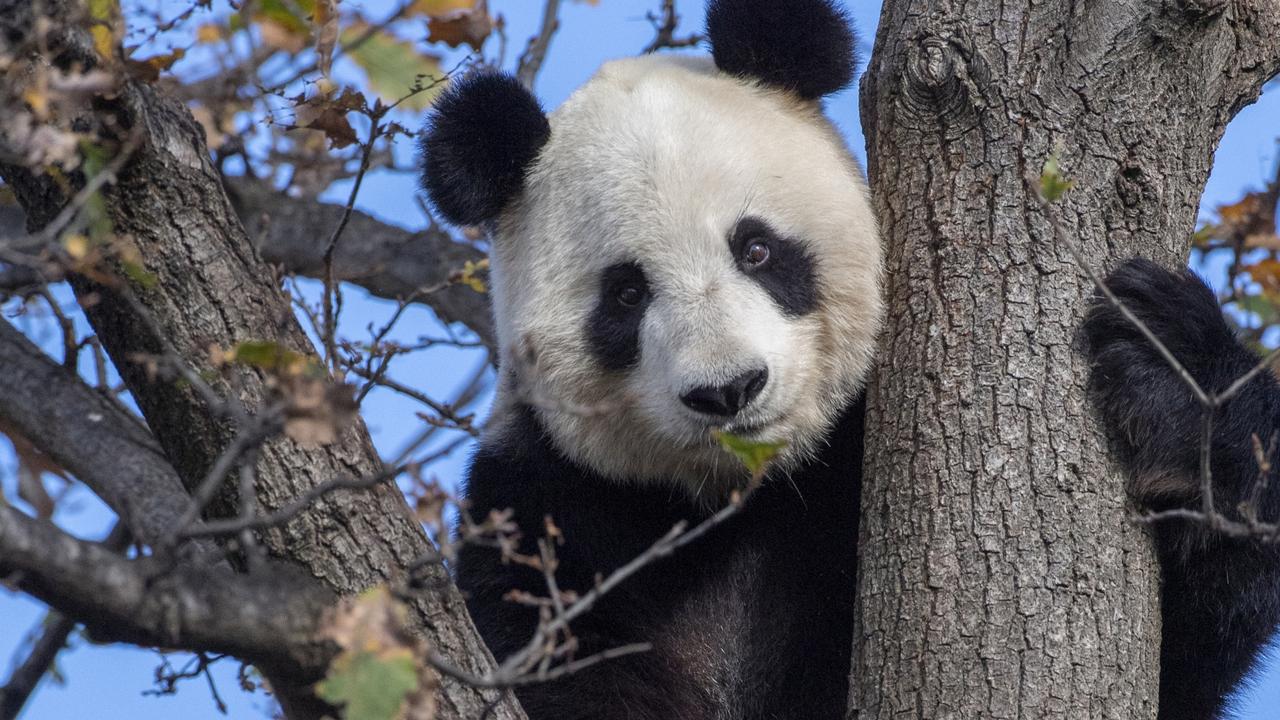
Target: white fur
<point>654,160</point>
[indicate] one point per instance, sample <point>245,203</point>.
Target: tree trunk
<point>208,287</point>
<point>1001,575</point>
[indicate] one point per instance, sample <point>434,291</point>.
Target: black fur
<point>1220,595</point>
<point>614,327</point>
<point>752,622</point>
<point>484,132</point>
<point>788,275</point>
<point>803,46</point>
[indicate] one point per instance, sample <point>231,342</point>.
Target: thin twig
<point>664,27</point>
<point>262,428</point>
<point>330,329</point>
<point>287,512</point>
<point>70,344</point>
<point>676,538</point>
<point>447,412</point>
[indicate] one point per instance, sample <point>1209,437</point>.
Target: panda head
<point>685,245</point>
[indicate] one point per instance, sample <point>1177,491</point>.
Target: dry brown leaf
<point>1267,274</point>
<point>1263,240</point>
<point>374,621</point>
<point>471,26</point>
<point>209,33</point>
<point>149,70</point>
<point>1251,221</point>
<point>325,19</point>
<point>318,410</point>
<point>333,123</point>
<point>275,35</point>
<point>329,116</point>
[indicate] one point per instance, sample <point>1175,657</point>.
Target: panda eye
<point>756,254</point>
<point>629,295</point>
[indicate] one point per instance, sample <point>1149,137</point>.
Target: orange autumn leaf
<point>471,26</point>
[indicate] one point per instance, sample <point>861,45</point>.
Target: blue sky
<point>109,682</point>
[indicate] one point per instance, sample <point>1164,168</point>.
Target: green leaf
<point>1053,184</point>
<point>139,274</point>
<point>370,686</point>
<point>280,13</point>
<point>394,67</point>
<point>755,455</point>
<point>96,160</point>
<point>275,357</point>
<point>105,16</point>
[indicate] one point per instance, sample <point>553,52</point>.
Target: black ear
<point>804,46</point>
<point>479,140</point>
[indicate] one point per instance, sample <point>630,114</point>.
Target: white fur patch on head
<point>655,161</point>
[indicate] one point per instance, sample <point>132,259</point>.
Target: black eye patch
<point>614,328</point>
<point>787,272</point>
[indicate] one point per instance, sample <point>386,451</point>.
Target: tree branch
<point>388,261</point>
<point>56,628</point>
<point>531,60</point>
<point>272,620</point>
<point>23,682</point>
<point>80,429</point>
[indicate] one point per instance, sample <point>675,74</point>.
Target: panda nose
<point>729,399</point>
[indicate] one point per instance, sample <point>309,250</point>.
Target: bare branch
<point>531,60</point>
<point>528,664</point>
<point>16,692</point>
<point>272,620</point>
<point>331,247</point>
<point>385,260</point>
<point>664,27</point>
<point>56,628</point>
<point>78,427</point>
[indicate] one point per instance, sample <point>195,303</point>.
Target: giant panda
<point>686,245</point>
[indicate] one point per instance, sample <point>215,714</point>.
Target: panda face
<point>691,252</point>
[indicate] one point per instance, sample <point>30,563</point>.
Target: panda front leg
<point>1220,593</point>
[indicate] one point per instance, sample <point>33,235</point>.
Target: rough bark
<point>209,287</point>
<point>77,427</point>
<point>272,618</point>
<point>1001,576</point>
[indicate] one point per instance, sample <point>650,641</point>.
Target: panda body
<point>751,621</point>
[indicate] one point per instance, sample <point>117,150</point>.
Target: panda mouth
<point>748,428</point>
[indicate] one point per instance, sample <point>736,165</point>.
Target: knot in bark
<point>1203,9</point>
<point>935,79</point>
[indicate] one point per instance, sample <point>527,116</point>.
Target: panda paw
<point>1150,411</point>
